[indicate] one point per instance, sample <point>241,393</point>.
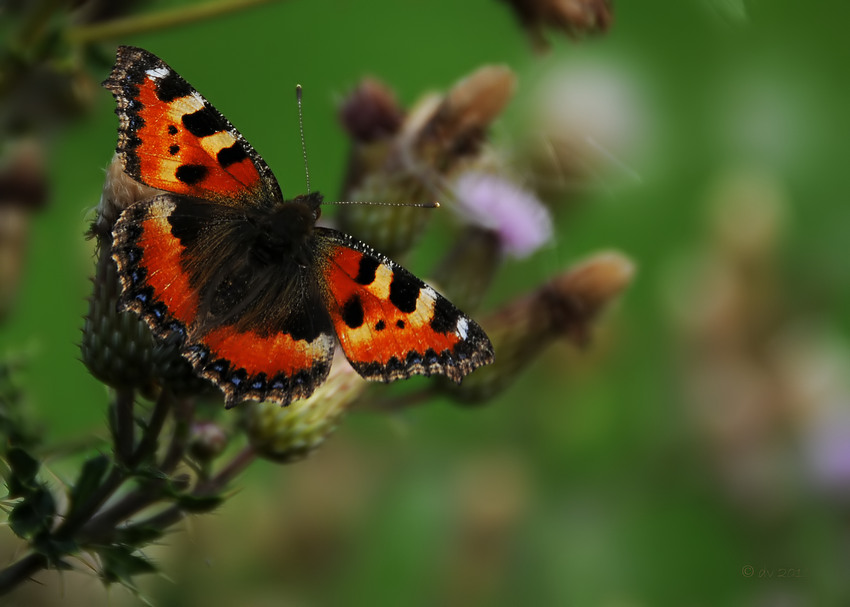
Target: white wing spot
<point>157,73</point>
<point>430,292</point>
<point>462,327</point>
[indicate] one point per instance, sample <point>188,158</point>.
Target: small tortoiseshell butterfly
<point>251,288</point>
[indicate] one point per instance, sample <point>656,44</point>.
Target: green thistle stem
<point>183,415</point>
<point>123,428</point>
<point>129,26</point>
<point>100,529</point>
<point>147,446</point>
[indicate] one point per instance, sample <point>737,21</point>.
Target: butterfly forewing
<point>173,139</point>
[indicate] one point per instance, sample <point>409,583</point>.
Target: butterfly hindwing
<point>173,139</point>
<point>390,324</point>
<point>255,334</point>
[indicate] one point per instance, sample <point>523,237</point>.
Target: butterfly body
<point>256,293</point>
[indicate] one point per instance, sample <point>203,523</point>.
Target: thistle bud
<point>118,347</point>
<point>286,434</point>
<point>392,230</point>
<point>566,306</point>
<point>206,440</point>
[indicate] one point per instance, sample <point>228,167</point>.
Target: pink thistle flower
<point>828,450</point>
<point>517,217</point>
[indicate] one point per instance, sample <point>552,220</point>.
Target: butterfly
<point>253,291</point>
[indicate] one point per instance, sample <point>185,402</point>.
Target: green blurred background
<point>705,430</point>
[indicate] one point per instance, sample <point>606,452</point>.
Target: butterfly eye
<point>317,212</point>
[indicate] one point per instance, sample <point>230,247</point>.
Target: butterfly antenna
<point>301,129</point>
<point>421,205</point>
<point>424,205</point>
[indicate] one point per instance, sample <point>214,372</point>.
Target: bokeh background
<point>696,452</point>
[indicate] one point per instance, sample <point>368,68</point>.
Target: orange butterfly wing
<point>173,139</point>
<point>269,339</point>
<point>390,324</point>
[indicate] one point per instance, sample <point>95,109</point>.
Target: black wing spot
<point>235,153</point>
<point>174,149</point>
<point>366,271</point>
<point>400,324</point>
<point>172,87</point>
<point>404,291</point>
<point>203,123</point>
<point>190,174</point>
<point>352,312</point>
<point>172,130</point>
<point>445,316</point>
<point>380,325</point>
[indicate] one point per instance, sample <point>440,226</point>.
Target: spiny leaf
<point>24,470</point>
<point>91,477</point>
<point>137,535</point>
<point>199,503</point>
<point>54,549</point>
<point>34,514</point>
<point>120,564</point>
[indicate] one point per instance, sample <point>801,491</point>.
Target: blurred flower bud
<point>748,213</point>
<point>14,228</point>
<point>408,161</point>
<point>23,189</point>
<point>371,112</point>
<point>286,434</point>
<point>23,176</point>
<point>565,306</point>
<point>206,440</point>
<point>588,125</point>
<point>576,18</point>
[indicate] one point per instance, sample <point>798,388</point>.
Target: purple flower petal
<point>516,215</point>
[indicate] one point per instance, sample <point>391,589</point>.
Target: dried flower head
<point>576,18</point>
<point>565,306</point>
<point>456,126</point>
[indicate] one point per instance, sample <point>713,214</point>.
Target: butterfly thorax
<point>283,232</point>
